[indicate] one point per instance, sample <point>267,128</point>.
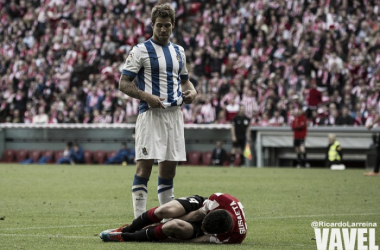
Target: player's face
<point>162,29</point>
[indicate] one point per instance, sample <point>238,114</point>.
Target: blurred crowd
<point>60,60</point>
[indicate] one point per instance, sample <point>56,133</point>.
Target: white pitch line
<point>51,227</point>
<point>47,235</point>
<point>309,216</point>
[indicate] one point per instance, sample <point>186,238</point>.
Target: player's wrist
<point>144,96</point>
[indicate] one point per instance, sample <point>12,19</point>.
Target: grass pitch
<point>66,207</point>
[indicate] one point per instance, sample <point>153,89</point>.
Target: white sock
<point>165,190</point>
<point>139,202</point>
<point>139,195</point>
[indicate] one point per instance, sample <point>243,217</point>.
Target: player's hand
<point>189,96</point>
<point>155,102</point>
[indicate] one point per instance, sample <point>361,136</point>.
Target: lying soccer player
<point>217,219</point>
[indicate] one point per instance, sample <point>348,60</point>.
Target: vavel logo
<point>346,237</point>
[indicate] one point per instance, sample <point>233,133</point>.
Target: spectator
<point>276,120</point>
<point>124,155</point>
<point>41,118</point>
<point>219,155</point>
<point>76,154</point>
<point>344,119</point>
<point>66,159</point>
<point>314,98</point>
<point>232,109</point>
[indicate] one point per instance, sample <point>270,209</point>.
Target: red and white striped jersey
<point>236,209</point>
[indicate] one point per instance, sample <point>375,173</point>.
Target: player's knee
<point>163,212</point>
<point>174,227</point>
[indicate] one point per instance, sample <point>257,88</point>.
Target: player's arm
<point>193,216</point>
<point>129,87</point>
<point>248,133</point>
<point>188,91</point>
<point>201,239</point>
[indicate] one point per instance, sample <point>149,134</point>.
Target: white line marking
<point>48,235</point>
<point>70,226</point>
<point>309,216</point>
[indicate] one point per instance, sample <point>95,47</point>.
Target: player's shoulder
<point>141,46</point>
<point>222,196</point>
<point>179,47</point>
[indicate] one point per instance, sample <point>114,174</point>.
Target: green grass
<point>65,207</point>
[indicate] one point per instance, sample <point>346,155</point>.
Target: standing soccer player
<point>299,127</point>
<point>162,86</point>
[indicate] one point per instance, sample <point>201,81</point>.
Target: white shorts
<point>160,135</point>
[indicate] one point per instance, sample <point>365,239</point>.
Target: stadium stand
<point>21,155</point>
<point>57,155</point>
<point>35,155</point>
<point>206,158</point>
<point>60,60</point>
<point>9,156</point>
<point>49,154</point>
<point>194,158</point>
<point>88,156</point>
<point>99,156</point>
<point>111,154</point>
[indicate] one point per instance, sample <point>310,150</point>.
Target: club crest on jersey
<point>178,57</point>
<point>144,151</point>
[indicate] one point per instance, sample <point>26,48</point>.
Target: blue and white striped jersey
<point>159,70</point>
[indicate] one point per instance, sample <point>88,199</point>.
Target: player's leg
<point>242,143</point>
<point>63,160</point>
<point>298,152</point>
<point>172,209</point>
<point>303,153</point>
<point>377,163</point>
<point>140,186</point>
<point>175,228</point>
<point>166,173</point>
<point>110,160</point>
<point>174,138</point>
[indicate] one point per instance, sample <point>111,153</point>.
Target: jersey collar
<point>166,45</point>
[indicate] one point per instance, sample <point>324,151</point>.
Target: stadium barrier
<point>272,146</point>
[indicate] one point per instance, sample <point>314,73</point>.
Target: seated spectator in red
<point>314,98</point>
